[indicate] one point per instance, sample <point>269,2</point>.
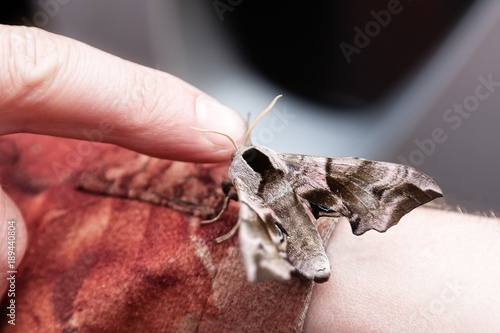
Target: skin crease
<point>434,271</point>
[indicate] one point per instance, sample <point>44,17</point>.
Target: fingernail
<point>214,116</point>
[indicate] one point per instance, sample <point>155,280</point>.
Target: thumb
<point>13,238</point>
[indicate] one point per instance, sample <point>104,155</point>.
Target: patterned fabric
<point>115,244</point>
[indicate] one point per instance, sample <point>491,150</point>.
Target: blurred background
<point>405,81</point>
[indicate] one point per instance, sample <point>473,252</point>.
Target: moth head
<point>247,135</point>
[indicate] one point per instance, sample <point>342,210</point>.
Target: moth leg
<point>229,234</point>
<point>230,196</point>
<point>226,186</point>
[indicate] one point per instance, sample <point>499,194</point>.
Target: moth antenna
<point>217,132</point>
<point>270,106</point>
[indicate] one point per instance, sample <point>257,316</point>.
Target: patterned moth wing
<point>282,194</point>
<point>263,244</point>
<point>370,194</point>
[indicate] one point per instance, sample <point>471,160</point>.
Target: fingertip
<point>214,116</point>
<point>188,134</point>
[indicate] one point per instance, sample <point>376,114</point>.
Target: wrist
<point>435,269</point>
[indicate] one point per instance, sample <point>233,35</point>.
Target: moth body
<point>267,180</point>
<point>281,195</point>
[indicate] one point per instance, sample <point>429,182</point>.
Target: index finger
<point>54,85</point>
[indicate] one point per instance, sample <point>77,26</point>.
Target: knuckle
<point>33,60</point>
<point>146,98</point>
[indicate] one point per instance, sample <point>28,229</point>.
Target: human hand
<point>57,86</point>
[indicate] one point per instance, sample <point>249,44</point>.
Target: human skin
<point>57,86</point>
<point>434,271</point>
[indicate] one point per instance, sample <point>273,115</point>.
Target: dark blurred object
<point>13,11</point>
<point>342,54</point>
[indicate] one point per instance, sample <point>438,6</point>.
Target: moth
<point>280,195</point>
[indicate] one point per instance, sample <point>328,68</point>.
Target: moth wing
<point>370,194</point>
<point>259,236</point>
